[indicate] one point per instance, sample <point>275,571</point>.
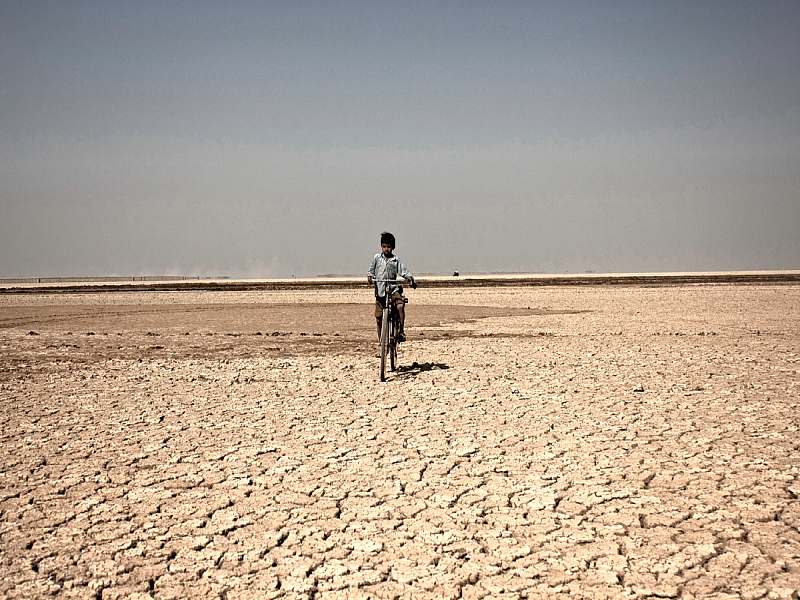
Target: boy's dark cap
<point>387,238</point>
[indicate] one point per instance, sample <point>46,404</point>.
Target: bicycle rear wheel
<point>393,345</point>
<point>384,342</point>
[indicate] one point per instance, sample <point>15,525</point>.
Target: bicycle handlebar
<point>391,280</point>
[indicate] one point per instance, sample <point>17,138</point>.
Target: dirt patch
<point>607,442</point>
<point>91,333</point>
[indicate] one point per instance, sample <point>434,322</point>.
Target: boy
<point>386,265</point>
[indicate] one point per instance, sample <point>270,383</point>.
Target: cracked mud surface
<point>542,443</point>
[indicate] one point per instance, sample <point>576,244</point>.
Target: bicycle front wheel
<point>384,342</point>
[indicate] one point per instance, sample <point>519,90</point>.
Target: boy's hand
<point>413,283</point>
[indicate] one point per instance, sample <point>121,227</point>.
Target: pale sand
<point>237,444</point>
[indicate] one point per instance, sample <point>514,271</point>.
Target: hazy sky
<point>269,139</point>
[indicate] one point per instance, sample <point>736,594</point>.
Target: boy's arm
<point>406,274</point>
<point>371,272</point>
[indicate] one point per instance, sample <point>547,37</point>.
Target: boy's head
<point>387,243</point>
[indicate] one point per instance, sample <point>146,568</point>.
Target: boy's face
<point>387,249</point>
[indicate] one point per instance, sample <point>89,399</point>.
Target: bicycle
<point>390,325</point>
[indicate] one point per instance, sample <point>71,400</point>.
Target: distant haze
<point>270,139</point>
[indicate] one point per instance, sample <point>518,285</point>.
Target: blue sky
<point>269,139</point>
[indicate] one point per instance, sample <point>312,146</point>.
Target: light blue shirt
<point>387,269</point>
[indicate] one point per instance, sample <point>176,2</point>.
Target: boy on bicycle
<point>386,265</point>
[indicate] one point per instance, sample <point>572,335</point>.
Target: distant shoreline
<point>180,283</point>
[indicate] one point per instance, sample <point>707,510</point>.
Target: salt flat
<point>548,442</point>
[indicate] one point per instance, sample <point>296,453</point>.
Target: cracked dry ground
<point>537,443</point>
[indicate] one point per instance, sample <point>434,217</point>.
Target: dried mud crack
<point>591,442</point>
